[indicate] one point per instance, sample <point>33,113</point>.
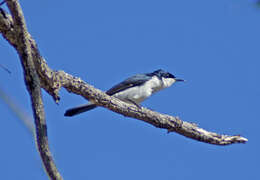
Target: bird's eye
<point>169,75</point>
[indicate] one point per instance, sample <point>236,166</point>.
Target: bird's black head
<point>163,74</point>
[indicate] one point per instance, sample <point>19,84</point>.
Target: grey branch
<point>51,81</point>
<point>32,82</point>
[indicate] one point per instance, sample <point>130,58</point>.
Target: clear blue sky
<point>214,45</point>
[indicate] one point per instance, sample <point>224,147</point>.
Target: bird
<point>133,90</point>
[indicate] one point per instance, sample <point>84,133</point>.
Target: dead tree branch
<point>52,81</point>
<point>32,82</point>
<point>39,75</point>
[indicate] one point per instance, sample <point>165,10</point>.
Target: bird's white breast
<point>140,93</point>
<point>167,82</point>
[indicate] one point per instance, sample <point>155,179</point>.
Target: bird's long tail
<point>79,109</point>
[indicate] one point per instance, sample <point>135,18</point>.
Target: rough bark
<point>32,82</point>
<point>38,75</point>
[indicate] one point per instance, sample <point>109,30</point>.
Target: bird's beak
<point>176,79</point>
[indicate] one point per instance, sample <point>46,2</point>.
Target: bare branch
<point>52,81</point>
<point>172,124</point>
<point>32,82</point>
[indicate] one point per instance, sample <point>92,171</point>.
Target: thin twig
<point>1,3</point>
<point>18,111</point>
<point>7,70</point>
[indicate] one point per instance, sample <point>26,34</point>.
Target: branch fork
<point>38,75</point>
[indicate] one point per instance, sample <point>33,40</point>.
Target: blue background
<point>214,45</point>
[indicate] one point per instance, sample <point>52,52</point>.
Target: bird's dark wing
<point>133,81</point>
